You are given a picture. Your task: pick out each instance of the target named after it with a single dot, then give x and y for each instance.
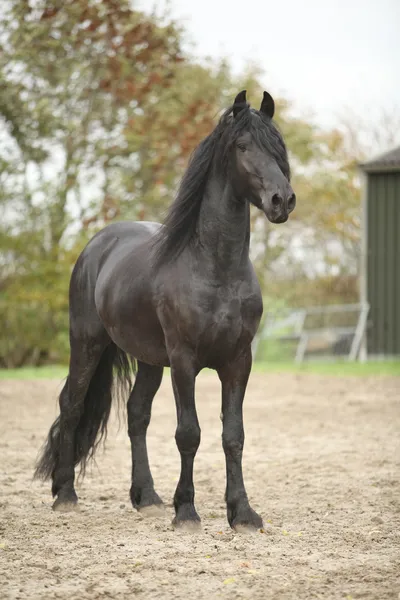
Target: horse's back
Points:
(127, 234)
(110, 245)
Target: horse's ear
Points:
(267, 105)
(240, 103)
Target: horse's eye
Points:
(242, 147)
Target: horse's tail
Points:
(115, 367)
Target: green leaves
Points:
(101, 109)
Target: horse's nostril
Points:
(292, 201)
(276, 200)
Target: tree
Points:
(69, 111)
(98, 123)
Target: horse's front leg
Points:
(234, 379)
(143, 495)
(187, 437)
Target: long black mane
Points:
(180, 224)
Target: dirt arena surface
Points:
(321, 463)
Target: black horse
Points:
(183, 295)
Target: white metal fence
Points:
(318, 331)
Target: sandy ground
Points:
(321, 463)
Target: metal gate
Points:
(317, 332)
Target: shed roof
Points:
(389, 161)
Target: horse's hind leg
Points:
(85, 403)
(147, 382)
(85, 358)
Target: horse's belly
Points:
(145, 345)
(125, 307)
(135, 328)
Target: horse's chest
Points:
(231, 326)
(215, 321)
(227, 320)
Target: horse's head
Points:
(259, 159)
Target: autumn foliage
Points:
(101, 108)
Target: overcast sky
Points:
(324, 55)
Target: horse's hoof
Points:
(245, 528)
(151, 511)
(65, 506)
(187, 519)
(146, 501)
(187, 526)
(246, 521)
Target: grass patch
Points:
(47, 372)
(339, 368)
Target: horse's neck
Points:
(223, 227)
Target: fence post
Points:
(359, 333)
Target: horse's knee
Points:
(187, 437)
(138, 421)
(233, 441)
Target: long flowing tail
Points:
(115, 367)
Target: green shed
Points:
(380, 269)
